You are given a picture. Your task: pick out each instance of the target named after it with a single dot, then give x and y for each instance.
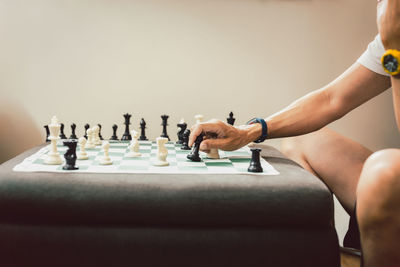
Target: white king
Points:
(53, 157)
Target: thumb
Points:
(212, 143)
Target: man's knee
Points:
(378, 191)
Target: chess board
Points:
(231, 162)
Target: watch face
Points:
(390, 63)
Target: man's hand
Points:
(223, 136)
(388, 20)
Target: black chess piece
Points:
(182, 127)
(62, 135)
(127, 135)
(255, 165)
(70, 155)
(87, 126)
(114, 136)
(164, 125)
(47, 133)
(194, 154)
(185, 140)
(101, 137)
(231, 119)
(142, 130)
(73, 135)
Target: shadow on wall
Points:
(18, 131)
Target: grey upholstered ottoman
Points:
(76, 219)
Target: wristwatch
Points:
(264, 133)
(391, 61)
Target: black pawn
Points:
(87, 126)
(73, 135)
(142, 130)
(182, 127)
(114, 136)
(194, 154)
(62, 135)
(231, 119)
(185, 140)
(255, 165)
(47, 132)
(127, 135)
(164, 125)
(101, 137)
(70, 155)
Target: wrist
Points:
(253, 132)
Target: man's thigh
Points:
(335, 159)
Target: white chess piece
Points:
(82, 153)
(134, 146)
(96, 135)
(199, 118)
(105, 160)
(162, 152)
(213, 154)
(90, 143)
(53, 157)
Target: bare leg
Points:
(378, 209)
(335, 159)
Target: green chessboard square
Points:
(145, 144)
(219, 164)
(180, 151)
(240, 160)
(38, 161)
(237, 153)
(135, 159)
(116, 154)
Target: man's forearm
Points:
(396, 98)
(307, 114)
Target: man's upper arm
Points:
(354, 87)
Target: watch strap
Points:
(264, 126)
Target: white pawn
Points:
(213, 154)
(90, 143)
(134, 146)
(162, 152)
(199, 118)
(96, 135)
(53, 157)
(82, 153)
(105, 160)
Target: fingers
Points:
(208, 144)
(212, 127)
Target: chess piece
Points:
(96, 135)
(62, 135)
(255, 165)
(82, 153)
(90, 140)
(162, 152)
(182, 127)
(105, 160)
(53, 157)
(213, 154)
(114, 136)
(127, 135)
(164, 125)
(231, 119)
(199, 118)
(142, 130)
(194, 154)
(101, 137)
(73, 135)
(70, 155)
(134, 146)
(87, 126)
(46, 127)
(185, 140)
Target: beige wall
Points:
(92, 61)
